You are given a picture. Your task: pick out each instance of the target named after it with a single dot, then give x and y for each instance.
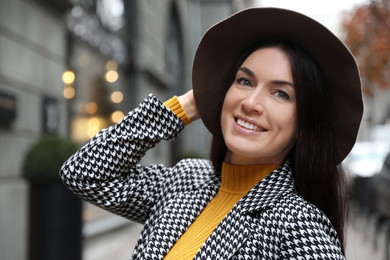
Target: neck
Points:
(236, 159)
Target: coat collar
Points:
(265, 193)
(241, 222)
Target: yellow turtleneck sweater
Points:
(236, 181)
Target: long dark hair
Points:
(318, 178)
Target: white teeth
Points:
(247, 125)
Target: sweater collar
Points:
(239, 179)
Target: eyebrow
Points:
(276, 82)
(248, 71)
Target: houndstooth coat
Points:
(271, 221)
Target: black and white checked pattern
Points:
(270, 222)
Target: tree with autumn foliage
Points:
(367, 34)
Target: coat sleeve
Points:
(105, 171)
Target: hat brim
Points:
(224, 42)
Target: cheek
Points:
(286, 120)
(234, 97)
(293, 125)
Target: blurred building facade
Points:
(33, 57)
(114, 54)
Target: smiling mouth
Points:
(249, 126)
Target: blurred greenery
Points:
(45, 157)
(366, 29)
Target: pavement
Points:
(367, 237)
(117, 244)
(366, 240)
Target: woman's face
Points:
(259, 117)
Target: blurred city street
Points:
(364, 241)
(70, 68)
(117, 244)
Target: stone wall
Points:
(32, 59)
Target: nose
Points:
(254, 102)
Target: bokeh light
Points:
(111, 65)
(68, 77)
(94, 122)
(93, 127)
(91, 108)
(68, 92)
(116, 96)
(117, 116)
(112, 76)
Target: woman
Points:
(281, 96)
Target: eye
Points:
(244, 82)
(282, 95)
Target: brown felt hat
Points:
(224, 42)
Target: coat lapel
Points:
(228, 237)
(268, 191)
(175, 217)
(240, 223)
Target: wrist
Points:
(189, 106)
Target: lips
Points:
(249, 125)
